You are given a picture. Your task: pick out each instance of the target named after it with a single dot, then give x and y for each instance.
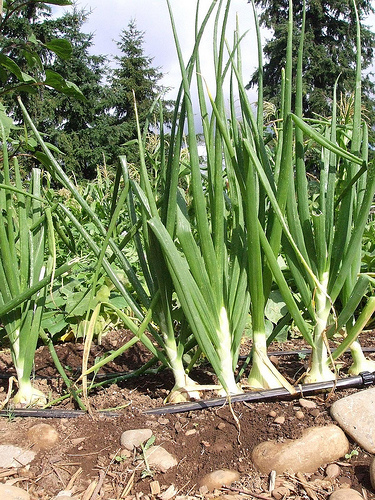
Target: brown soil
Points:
(89, 444)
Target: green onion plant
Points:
(25, 269)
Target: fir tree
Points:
(134, 73)
(329, 50)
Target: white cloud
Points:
(109, 18)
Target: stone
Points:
(65, 495)
(134, 438)
(190, 432)
(168, 493)
(317, 447)
(9, 492)
(355, 414)
(307, 403)
(280, 420)
(218, 478)
(13, 456)
(372, 473)
(345, 494)
(280, 493)
(333, 471)
(300, 415)
(155, 487)
(43, 436)
(159, 458)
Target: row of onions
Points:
(214, 242)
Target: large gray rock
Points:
(8, 492)
(355, 414)
(345, 494)
(317, 447)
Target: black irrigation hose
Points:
(34, 412)
(364, 379)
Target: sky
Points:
(109, 17)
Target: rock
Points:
(163, 421)
(280, 493)
(135, 437)
(307, 403)
(355, 414)
(190, 432)
(333, 471)
(168, 493)
(218, 478)
(372, 473)
(159, 458)
(345, 494)
(316, 447)
(279, 420)
(272, 414)
(8, 492)
(43, 436)
(64, 495)
(13, 456)
(300, 415)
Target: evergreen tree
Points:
(79, 128)
(329, 50)
(133, 73)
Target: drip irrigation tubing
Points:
(40, 413)
(364, 379)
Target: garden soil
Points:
(89, 462)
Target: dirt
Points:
(88, 458)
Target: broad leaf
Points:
(60, 47)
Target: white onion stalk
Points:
(360, 362)
(225, 356)
(319, 370)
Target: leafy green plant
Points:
(25, 270)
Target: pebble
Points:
(345, 494)
(372, 473)
(333, 471)
(280, 493)
(272, 414)
(218, 478)
(300, 415)
(64, 495)
(159, 458)
(8, 492)
(355, 414)
(133, 438)
(163, 421)
(190, 432)
(316, 447)
(13, 456)
(43, 436)
(307, 403)
(279, 420)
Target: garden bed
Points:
(201, 441)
